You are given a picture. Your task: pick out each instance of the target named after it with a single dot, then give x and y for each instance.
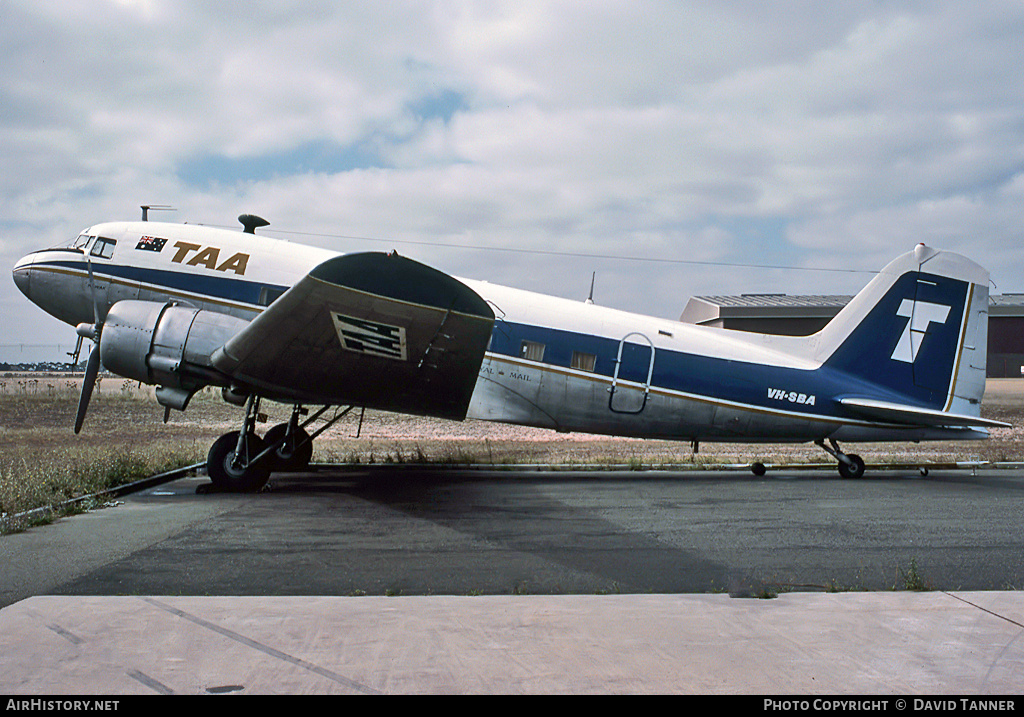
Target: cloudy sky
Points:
(674, 148)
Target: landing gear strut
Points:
(234, 463)
(241, 461)
(850, 464)
(296, 447)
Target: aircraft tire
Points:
(854, 471)
(287, 457)
(758, 469)
(225, 476)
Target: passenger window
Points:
(583, 362)
(532, 351)
(103, 247)
(268, 295)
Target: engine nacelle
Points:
(166, 345)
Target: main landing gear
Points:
(850, 464)
(241, 461)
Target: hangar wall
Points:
(804, 315)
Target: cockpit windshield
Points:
(92, 245)
(78, 242)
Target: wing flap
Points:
(370, 329)
(898, 413)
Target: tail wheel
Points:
(292, 455)
(852, 471)
(238, 476)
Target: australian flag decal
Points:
(151, 244)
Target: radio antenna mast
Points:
(158, 207)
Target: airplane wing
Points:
(368, 329)
(898, 413)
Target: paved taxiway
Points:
(849, 643)
(432, 581)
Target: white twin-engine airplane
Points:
(182, 307)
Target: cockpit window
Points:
(80, 242)
(103, 247)
(269, 294)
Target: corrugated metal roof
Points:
(821, 301)
(1006, 300)
(778, 301)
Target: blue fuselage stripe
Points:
(746, 383)
(773, 388)
(222, 288)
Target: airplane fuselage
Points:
(552, 362)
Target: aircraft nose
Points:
(22, 274)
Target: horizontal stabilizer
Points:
(899, 413)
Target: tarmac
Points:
(895, 644)
(855, 643)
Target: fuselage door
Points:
(634, 365)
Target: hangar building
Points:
(804, 315)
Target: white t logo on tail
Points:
(921, 314)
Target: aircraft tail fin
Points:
(919, 332)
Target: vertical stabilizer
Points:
(918, 331)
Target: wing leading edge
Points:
(369, 329)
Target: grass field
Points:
(124, 438)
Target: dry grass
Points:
(42, 462)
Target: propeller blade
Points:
(93, 367)
(92, 293)
(91, 370)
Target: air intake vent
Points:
(251, 222)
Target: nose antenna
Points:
(158, 207)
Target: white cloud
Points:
(787, 134)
